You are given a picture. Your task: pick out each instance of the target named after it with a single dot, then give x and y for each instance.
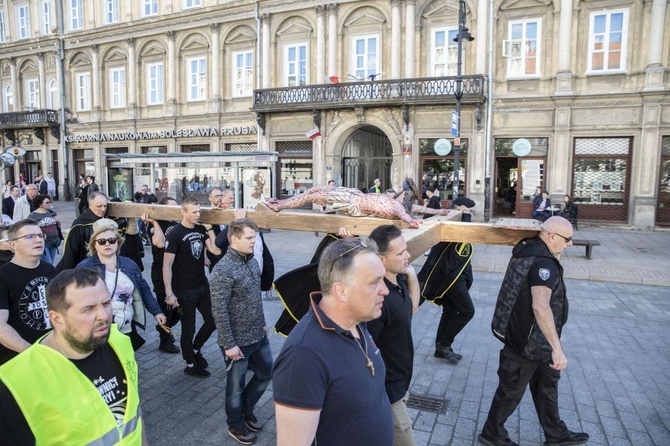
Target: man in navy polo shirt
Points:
(392, 331)
(328, 380)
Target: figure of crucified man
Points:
(353, 202)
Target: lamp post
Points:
(463, 34)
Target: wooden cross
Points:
(446, 228)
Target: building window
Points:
(8, 98)
(32, 93)
(444, 54)
(365, 57)
(117, 87)
(607, 41)
(243, 76)
(296, 65)
(53, 98)
(111, 11)
(76, 14)
(150, 7)
(45, 16)
(83, 87)
(155, 83)
(22, 22)
(601, 177)
(2, 26)
(192, 3)
(197, 79)
(523, 52)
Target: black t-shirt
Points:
(433, 203)
(104, 370)
(188, 246)
(157, 253)
(22, 292)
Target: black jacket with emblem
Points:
(513, 318)
(447, 263)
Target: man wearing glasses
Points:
(75, 249)
(328, 380)
(530, 313)
(23, 307)
(24, 205)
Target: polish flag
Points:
(313, 134)
(332, 79)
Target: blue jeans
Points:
(545, 215)
(241, 399)
(49, 255)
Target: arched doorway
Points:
(367, 154)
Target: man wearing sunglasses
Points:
(529, 316)
(23, 308)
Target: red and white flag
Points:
(313, 134)
(332, 79)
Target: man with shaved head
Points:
(530, 313)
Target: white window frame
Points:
(192, 3)
(2, 27)
(8, 99)
(22, 21)
(45, 17)
(83, 91)
(196, 79)
(449, 45)
(606, 43)
(32, 88)
(523, 42)
(155, 83)
(363, 72)
(296, 72)
(149, 7)
(117, 87)
(53, 95)
(76, 14)
(111, 11)
(243, 76)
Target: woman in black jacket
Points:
(570, 209)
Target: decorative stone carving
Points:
(320, 10)
(5, 69)
(332, 8)
(214, 27)
(170, 35)
(130, 41)
(360, 114)
(94, 48)
(40, 56)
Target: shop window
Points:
(190, 148)
(437, 166)
(296, 168)
(83, 160)
(241, 147)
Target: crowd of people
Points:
(343, 374)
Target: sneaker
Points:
(573, 438)
(252, 423)
(202, 362)
(488, 441)
(438, 354)
(168, 347)
(196, 370)
(447, 353)
(242, 435)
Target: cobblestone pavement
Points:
(616, 386)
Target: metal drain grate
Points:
(426, 403)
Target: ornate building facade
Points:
(567, 96)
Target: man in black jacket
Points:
(74, 250)
(8, 203)
(531, 310)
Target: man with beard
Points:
(74, 249)
(84, 348)
(23, 315)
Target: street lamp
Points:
(463, 34)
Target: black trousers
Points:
(457, 311)
(515, 373)
(190, 301)
(171, 314)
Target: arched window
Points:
(53, 98)
(8, 98)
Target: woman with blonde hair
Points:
(130, 292)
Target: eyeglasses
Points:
(362, 243)
(46, 202)
(104, 241)
(567, 239)
(31, 237)
(217, 196)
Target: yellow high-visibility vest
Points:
(63, 407)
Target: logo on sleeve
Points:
(544, 273)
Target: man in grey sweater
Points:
(237, 306)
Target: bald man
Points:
(530, 313)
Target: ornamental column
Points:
(564, 75)
(396, 24)
(171, 104)
(332, 39)
(320, 44)
(132, 78)
(410, 38)
(42, 81)
(265, 51)
(15, 85)
(95, 81)
(216, 69)
(482, 41)
(655, 70)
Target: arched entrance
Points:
(367, 154)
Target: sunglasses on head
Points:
(104, 241)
